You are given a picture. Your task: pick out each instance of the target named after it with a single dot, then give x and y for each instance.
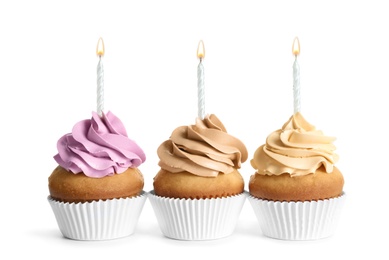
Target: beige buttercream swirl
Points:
(298, 149)
(203, 149)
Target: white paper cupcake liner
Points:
(98, 220)
(197, 219)
(308, 220)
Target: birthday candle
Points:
(100, 77)
(296, 76)
(200, 81)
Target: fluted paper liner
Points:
(98, 220)
(197, 219)
(308, 220)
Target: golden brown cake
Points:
(189, 186)
(317, 186)
(66, 186)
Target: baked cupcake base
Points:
(98, 220)
(197, 219)
(308, 220)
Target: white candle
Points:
(200, 81)
(296, 76)
(100, 77)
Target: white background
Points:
(48, 83)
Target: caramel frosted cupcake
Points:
(96, 191)
(296, 191)
(198, 192)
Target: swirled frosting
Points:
(98, 147)
(203, 149)
(298, 149)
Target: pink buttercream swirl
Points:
(98, 147)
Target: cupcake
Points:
(297, 191)
(96, 191)
(198, 192)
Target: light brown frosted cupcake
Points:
(296, 191)
(198, 192)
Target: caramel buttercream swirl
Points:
(203, 149)
(298, 149)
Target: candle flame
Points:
(201, 50)
(100, 47)
(296, 47)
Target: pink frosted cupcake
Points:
(198, 192)
(296, 191)
(96, 191)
